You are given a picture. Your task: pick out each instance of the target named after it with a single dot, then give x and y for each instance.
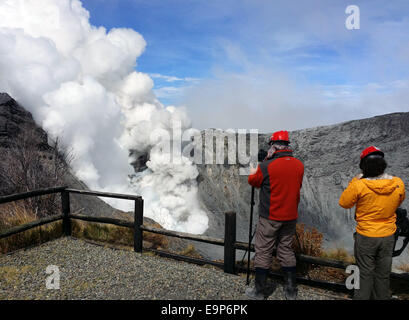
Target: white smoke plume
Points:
(79, 82)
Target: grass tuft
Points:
(308, 241)
(340, 254)
(15, 214)
(115, 234)
(404, 267)
(190, 251)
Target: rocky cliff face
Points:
(14, 121)
(331, 158)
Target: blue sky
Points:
(230, 62)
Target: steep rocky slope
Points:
(14, 121)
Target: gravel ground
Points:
(89, 271)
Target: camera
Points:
(402, 222)
(402, 229)
(262, 154)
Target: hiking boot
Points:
(261, 289)
(253, 294)
(269, 288)
(290, 285)
(262, 294)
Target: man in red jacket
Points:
(279, 178)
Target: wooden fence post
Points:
(229, 242)
(138, 221)
(66, 222)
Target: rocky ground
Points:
(94, 272)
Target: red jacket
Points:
(280, 180)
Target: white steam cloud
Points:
(80, 84)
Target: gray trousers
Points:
(270, 233)
(374, 259)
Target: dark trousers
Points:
(374, 259)
(270, 233)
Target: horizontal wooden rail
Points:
(25, 195)
(105, 194)
(117, 222)
(400, 276)
(243, 246)
(66, 215)
(30, 225)
(183, 235)
(322, 261)
(303, 258)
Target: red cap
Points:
(371, 150)
(280, 136)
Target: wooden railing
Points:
(229, 242)
(136, 225)
(33, 224)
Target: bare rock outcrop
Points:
(16, 121)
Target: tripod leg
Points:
(250, 235)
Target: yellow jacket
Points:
(376, 201)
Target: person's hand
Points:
(253, 170)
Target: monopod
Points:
(250, 235)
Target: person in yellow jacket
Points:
(376, 195)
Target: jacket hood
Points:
(383, 184)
